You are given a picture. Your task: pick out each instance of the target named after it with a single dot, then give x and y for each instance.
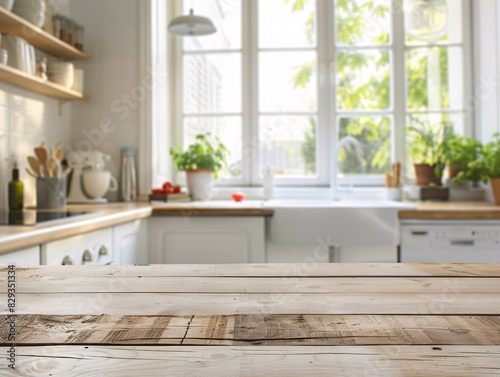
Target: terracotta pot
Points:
(200, 184)
(425, 175)
(452, 171)
(495, 189)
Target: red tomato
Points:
(166, 185)
(169, 190)
(177, 189)
(238, 196)
(157, 191)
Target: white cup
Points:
(393, 193)
(62, 73)
(78, 80)
(96, 183)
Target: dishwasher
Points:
(453, 241)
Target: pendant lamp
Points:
(191, 25)
(426, 20)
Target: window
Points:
(283, 80)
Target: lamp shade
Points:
(191, 25)
(426, 20)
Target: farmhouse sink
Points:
(348, 203)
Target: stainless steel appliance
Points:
(440, 241)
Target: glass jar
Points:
(63, 36)
(71, 32)
(80, 31)
(56, 26)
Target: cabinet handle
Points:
(87, 257)
(419, 233)
(67, 261)
(462, 242)
(334, 252)
(103, 251)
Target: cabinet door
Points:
(207, 240)
(24, 257)
(131, 243)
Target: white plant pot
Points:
(200, 184)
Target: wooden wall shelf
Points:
(23, 80)
(13, 24)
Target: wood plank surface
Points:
(196, 284)
(256, 329)
(255, 320)
(104, 302)
(119, 361)
(268, 270)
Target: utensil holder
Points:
(50, 193)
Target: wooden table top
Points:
(254, 320)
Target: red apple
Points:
(238, 196)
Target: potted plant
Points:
(202, 162)
(460, 151)
(427, 149)
(488, 166)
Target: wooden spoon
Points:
(31, 173)
(35, 165)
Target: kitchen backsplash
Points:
(27, 119)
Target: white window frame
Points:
(327, 113)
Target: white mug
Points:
(96, 183)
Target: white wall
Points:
(111, 78)
(27, 119)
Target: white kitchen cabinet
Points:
(93, 248)
(205, 240)
(131, 242)
(25, 257)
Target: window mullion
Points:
(251, 150)
(326, 89)
(399, 94)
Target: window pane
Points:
(288, 81)
(363, 22)
(285, 23)
(363, 80)
(435, 78)
(226, 16)
(288, 145)
(426, 19)
(212, 83)
(374, 135)
(228, 129)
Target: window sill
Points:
(311, 193)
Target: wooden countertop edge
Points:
(48, 233)
(487, 214)
(194, 211)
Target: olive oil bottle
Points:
(16, 191)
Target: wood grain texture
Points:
(279, 270)
(256, 320)
(119, 361)
(256, 329)
(472, 214)
(187, 210)
(264, 285)
(104, 302)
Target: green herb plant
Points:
(461, 152)
(428, 144)
(488, 163)
(205, 153)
